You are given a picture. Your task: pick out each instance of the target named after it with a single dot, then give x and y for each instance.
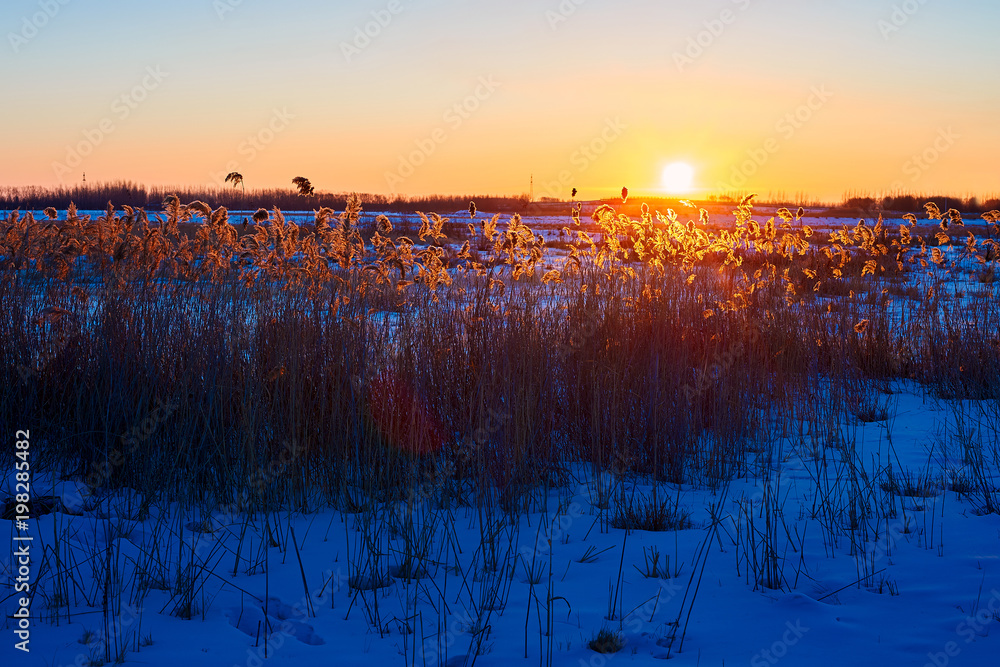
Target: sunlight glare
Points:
(678, 178)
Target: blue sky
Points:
(369, 115)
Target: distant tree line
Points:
(910, 203)
(96, 197)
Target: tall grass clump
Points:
(267, 363)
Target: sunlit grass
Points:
(660, 339)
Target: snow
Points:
(932, 597)
(944, 566)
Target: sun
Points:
(678, 178)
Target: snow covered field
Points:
(864, 537)
(924, 588)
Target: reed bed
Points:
(272, 369)
(655, 344)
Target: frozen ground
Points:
(542, 585)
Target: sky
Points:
(813, 99)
